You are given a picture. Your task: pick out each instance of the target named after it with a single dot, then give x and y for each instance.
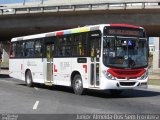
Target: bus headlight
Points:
(144, 76)
(109, 76)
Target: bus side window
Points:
(19, 49)
(79, 45)
(83, 45)
(29, 49)
(38, 48)
(59, 51)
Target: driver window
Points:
(109, 47)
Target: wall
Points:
(156, 57)
(5, 52)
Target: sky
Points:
(10, 1)
(16, 1)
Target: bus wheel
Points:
(115, 92)
(78, 85)
(28, 79)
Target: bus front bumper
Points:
(123, 84)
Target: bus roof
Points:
(72, 31)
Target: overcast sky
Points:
(16, 1)
(10, 1)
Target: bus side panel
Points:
(15, 68)
(62, 71)
(81, 65)
(35, 65)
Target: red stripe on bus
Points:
(55, 70)
(59, 33)
(124, 25)
(85, 67)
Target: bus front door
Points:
(95, 61)
(49, 66)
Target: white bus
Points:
(103, 57)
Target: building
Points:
(155, 49)
(151, 48)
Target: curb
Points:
(154, 86)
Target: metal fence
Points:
(34, 6)
(25, 2)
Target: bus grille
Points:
(125, 73)
(127, 83)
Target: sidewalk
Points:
(154, 74)
(153, 86)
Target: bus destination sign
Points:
(125, 32)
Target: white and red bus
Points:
(101, 57)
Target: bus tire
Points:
(28, 79)
(78, 85)
(115, 92)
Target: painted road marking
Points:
(35, 106)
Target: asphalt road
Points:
(17, 98)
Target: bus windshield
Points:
(125, 52)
